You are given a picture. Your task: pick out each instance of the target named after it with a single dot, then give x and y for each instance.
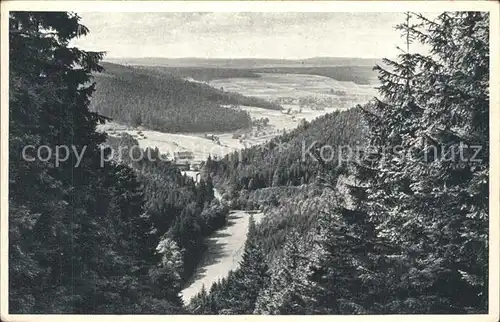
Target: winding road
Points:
(224, 251)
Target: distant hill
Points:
(282, 162)
(246, 62)
(204, 74)
(164, 102)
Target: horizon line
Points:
(236, 58)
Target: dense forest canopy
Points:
(89, 237)
(400, 230)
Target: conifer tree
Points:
(288, 291)
(423, 198)
(169, 270)
(349, 271)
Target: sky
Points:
(242, 34)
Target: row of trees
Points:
(404, 230)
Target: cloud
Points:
(244, 34)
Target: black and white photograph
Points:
(265, 158)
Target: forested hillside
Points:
(397, 223)
(293, 158)
(87, 236)
(350, 73)
(403, 228)
(164, 102)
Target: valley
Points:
(303, 97)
